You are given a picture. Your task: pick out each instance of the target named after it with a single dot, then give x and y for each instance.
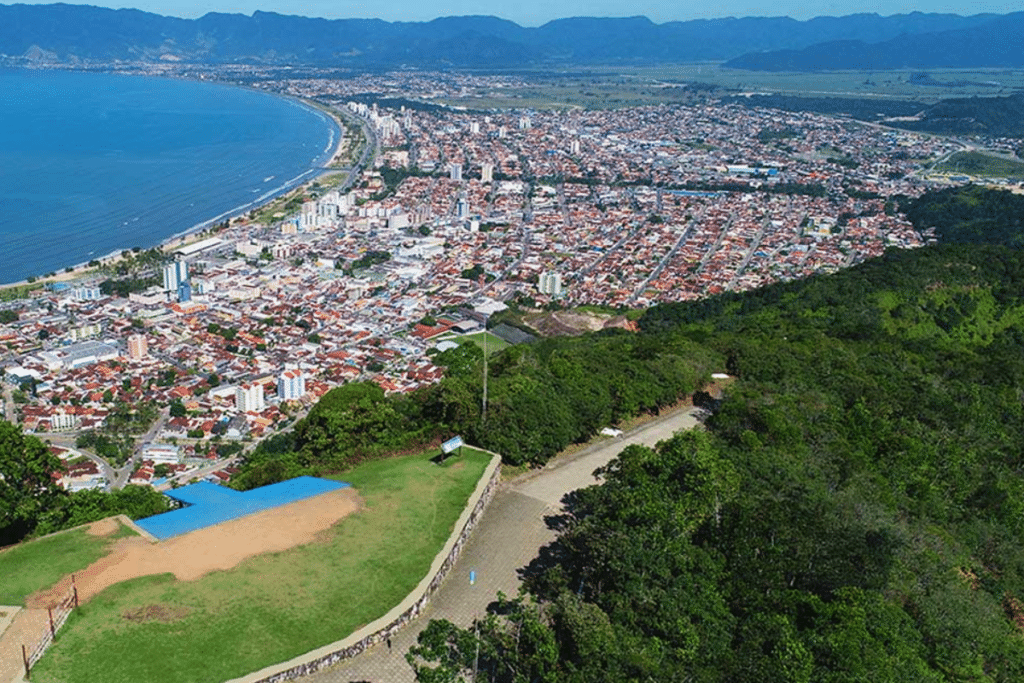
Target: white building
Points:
(291, 385)
(84, 332)
(456, 172)
(487, 173)
(63, 422)
(161, 453)
(86, 293)
(249, 398)
(174, 274)
(550, 283)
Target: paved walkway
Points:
(507, 538)
(26, 628)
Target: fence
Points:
(382, 629)
(57, 616)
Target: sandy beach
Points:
(198, 231)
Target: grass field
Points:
(32, 566)
(620, 86)
(494, 343)
(981, 165)
(276, 606)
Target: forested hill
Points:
(855, 511)
(995, 116)
(970, 215)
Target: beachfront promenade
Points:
(508, 537)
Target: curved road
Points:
(508, 537)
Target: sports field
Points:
(274, 605)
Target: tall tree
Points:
(27, 487)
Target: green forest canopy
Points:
(855, 511)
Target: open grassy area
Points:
(494, 343)
(273, 607)
(32, 566)
(981, 165)
(620, 86)
(13, 292)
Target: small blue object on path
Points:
(472, 577)
(208, 504)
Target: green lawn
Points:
(32, 566)
(494, 343)
(275, 606)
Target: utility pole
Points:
(484, 413)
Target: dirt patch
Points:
(104, 527)
(574, 323)
(219, 547)
(161, 613)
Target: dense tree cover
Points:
(91, 505)
(996, 116)
(865, 109)
(32, 504)
(541, 398)
(970, 214)
(26, 487)
(123, 286)
(854, 511)
(350, 423)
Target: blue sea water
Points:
(91, 164)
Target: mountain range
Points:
(993, 43)
(82, 34)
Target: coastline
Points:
(323, 167)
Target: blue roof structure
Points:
(207, 504)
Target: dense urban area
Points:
(784, 335)
(435, 223)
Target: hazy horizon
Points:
(536, 12)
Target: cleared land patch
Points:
(219, 547)
(277, 605)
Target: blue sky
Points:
(536, 12)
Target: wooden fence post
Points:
(24, 656)
(74, 587)
(53, 631)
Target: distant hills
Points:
(995, 116)
(81, 34)
(995, 42)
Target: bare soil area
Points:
(215, 548)
(572, 323)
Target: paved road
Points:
(509, 535)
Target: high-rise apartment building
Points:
(138, 346)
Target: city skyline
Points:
(536, 13)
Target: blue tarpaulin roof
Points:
(208, 504)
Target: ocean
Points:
(91, 164)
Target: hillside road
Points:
(508, 537)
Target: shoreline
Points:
(183, 238)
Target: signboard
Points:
(451, 444)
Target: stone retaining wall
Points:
(408, 610)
